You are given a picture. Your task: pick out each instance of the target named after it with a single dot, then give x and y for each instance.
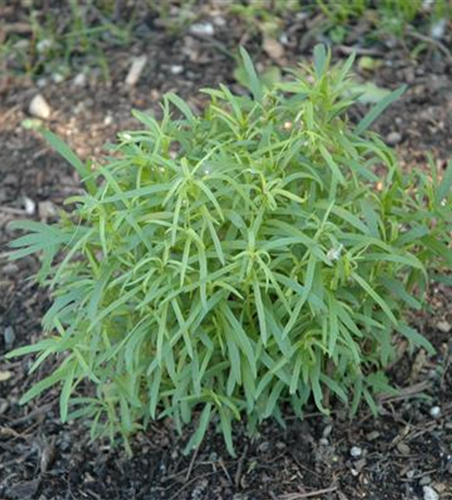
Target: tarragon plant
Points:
(231, 263)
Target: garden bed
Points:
(403, 453)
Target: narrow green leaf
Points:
(372, 293)
(376, 111)
(333, 324)
(226, 429)
(182, 106)
(66, 392)
(240, 337)
(415, 338)
(198, 436)
(397, 288)
(320, 59)
(57, 376)
(371, 217)
(253, 80)
(444, 188)
(66, 152)
(260, 311)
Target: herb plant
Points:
(227, 264)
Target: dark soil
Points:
(397, 455)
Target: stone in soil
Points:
(403, 448)
(356, 451)
(46, 209)
(29, 206)
(9, 335)
(273, 48)
(10, 269)
(202, 29)
(137, 67)
(39, 107)
(393, 138)
(176, 69)
(438, 29)
(327, 430)
(79, 80)
(435, 411)
(430, 493)
(444, 326)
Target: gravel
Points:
(202, 29)
(444, 326)
(430, 493)
(9, 337)
(29, 206)
(435, 411)
(39, 107)
(393, 138)
(136, 68)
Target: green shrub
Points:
(387, 17)
(223, 265)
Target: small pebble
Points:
(444, 326)
(29, 206)
(438, 29)
(57, 77)
(137, 67)
(323, 441)
(10, 269)
(424, 481)
(46, 209)
(202, 29)
(284, 39)
(356, 451)
(219, 21)
(373, 435)
(9, 336)
(44, 45)
(39, 107)
(79, 80)
(273, 47)
(430, 493)
(176, 69)
(5, 376)
(4, 405)
(403, 448)
(435, 411)
(108, 120)
(327, 431)
(263, 447)
(393, 138)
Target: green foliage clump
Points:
(386, 17)
(223, 265)
(64, 37)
